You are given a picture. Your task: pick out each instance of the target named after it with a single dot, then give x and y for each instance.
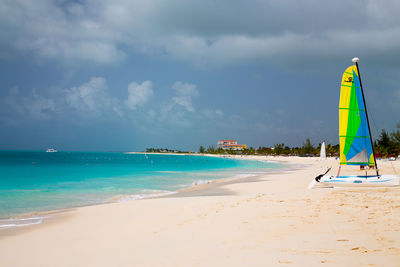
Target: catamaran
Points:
(355, 140)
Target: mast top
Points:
(355, 60)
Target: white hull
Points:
(354, 180)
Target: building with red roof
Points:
(230, 145)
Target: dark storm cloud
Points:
(201, 32)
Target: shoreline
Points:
(42, 216)
(268, 220)
(56, 215)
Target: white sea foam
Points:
(20, 222)
(246, 175)
(124, 198)
(201, 182)
(237, 176)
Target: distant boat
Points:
(51, 150)
(323, 152)
(356, 146)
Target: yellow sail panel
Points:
(371, 160)
(346, 85)
(343, 118)
(343, 159)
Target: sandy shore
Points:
(273, 220)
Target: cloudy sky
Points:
(128, 74)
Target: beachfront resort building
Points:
(230, 145)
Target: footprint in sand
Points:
(361, 249)
(323, 251)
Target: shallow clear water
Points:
(36, 181)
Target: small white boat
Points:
(356, 146)
(51, 150)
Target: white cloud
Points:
(92, 101)
(32, 105)
(39, 106)
(178, 111)
(92, 98)
(213, 114)
(88, 100)
(139, 94)
(184, 94)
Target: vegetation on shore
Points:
(308, 149)
(387, 145)
(164, 150)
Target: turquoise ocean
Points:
(33, 181)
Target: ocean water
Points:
(38, 181)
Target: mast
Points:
(355, 60)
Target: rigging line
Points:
(375, 127)
(370, 115)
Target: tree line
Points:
(307, 149)
(163, 150)
(386, 145)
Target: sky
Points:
(125, 75)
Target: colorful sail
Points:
(355, 142)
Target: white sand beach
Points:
(272, 220)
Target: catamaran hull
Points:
(353, 180)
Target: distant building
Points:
(230, 145)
